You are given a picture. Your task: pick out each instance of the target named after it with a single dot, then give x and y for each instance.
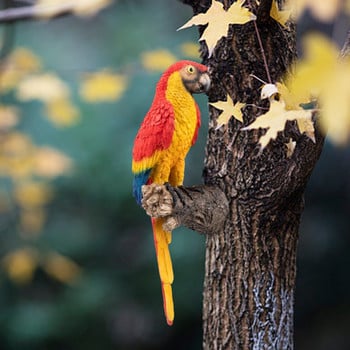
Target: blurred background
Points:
(77, 263)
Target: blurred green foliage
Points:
(115, 303)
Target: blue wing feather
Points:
(140, 179)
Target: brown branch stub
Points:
(200, 208)
(48, 11)
(30, 12)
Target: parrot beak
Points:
(203, 83)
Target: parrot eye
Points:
(190, 69)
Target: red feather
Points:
(156, 130)
(195, 135)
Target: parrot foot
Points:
(170, 224)
(157, 201)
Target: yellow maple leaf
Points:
(61, 112)
(8, 117)
(32, 221)
(312, 73)
(44, 87)
(281, 16)
(190, 49)
(275, 120)
(16, 143)
(61, 267)
(290, 147)
(9, 78)
(218, 21)
(21, 264)
(292, 100)
(102, 86)
(228, 109)
(15, 155)
(306, 126)
(17, 65)
(324, 75)
(324, 10)
(89, 7)
(157, 60)
(25, 60)
(48, 162)
(50, 8)
(335, 105)
(30, 194)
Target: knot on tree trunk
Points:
(201, 208)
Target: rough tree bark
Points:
(251, 202)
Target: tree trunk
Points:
(251, 202)
(251, 264)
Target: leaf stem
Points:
(268, 3)
(257, 78)
(262, 52)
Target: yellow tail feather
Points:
(162, 240)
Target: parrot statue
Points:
(165, 136)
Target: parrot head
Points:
(194, 76)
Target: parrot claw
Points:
(157, 201)
(170, 224)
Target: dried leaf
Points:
(228, 109)
(219, 20)
(21, 264)
(314, 71)
(61, 268)
(89, 7)
(50, 163)
(30, 195)
(290, 147)
(50, 8)
(281, 16)
(16, 144)
(62, 113)
(306, 126)
(44, 87)
(32, 221)
(324, 10)
(292, 100)
(8, 117)
(15, 155)
(335, 105)
(25, 60)
(275, 120)
(21, 62)
(157, 60)
(103, 86)
(324, 76)
(190, 49)
(268, 90)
